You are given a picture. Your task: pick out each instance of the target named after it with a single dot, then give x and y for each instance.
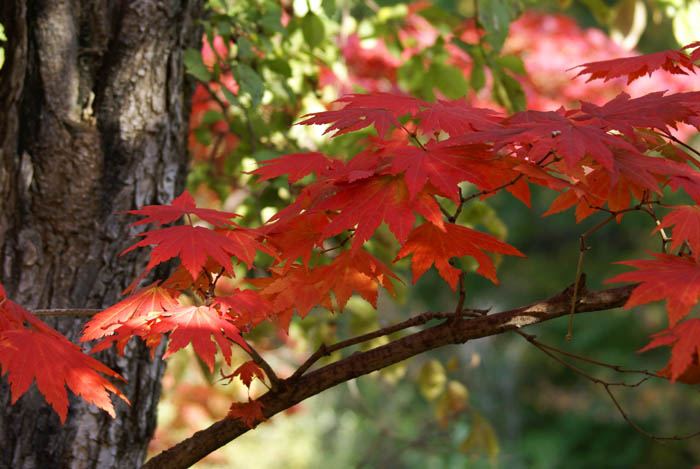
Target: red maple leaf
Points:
(296, 165)
(249, 412)
(429, 245)
(684, 340)
(622, 113)
(444, 169)
(246, 372)
(675, 279)
(247, 308)
(39, 353)
(293, 288)
(380, 109)
(544, 132)
(197, 325)
(193, 245)
(144, 302)
(350, 120)
(296, 237)
(686, 219)
(455, 117)
(366, 204)
(634, 67)
(182, 205)
(397, 104)
(359, 271)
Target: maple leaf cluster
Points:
(30, 350)
(612, 158)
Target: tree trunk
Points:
(93, 122)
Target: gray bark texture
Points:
(94, 110)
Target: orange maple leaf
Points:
(360, 272)
(144, 302)
(246, 372)
(249, 412)
(39, 353)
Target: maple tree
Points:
(612, 158)
(429, 160)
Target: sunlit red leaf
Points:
(293, 288)
(197, 325)
(364, 205)
(635, 67)
(144, 302)
(456, 117)
(444, 168)
(296, 165)
(193, 245)
(247, 372)
(429, 245)
(247, 308)
(378, 109)
(39, 353)
(182, 205)
(360, 272)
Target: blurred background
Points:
(496, 402)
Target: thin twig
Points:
(606, 384)
(619, 369)
(215, 97)
(67, 312)
(681, 143)
(462, 294)
(640, 429)
(325, 350)
(260, 361)
(583, 248)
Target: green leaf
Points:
(230, 97)
(312, 29)
(507, 91)
(477, 78)
(512, 63)
(212, 117)
(245, 49)
(272, 20)
(249, 82)
(329, 7)
(449, 80)
(601, 12)
(202, 135)
(279, 66)
(494, 16)
(439, 16)
(195, 66)
(410, 74)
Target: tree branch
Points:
(453, 331)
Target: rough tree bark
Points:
(93, 122)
